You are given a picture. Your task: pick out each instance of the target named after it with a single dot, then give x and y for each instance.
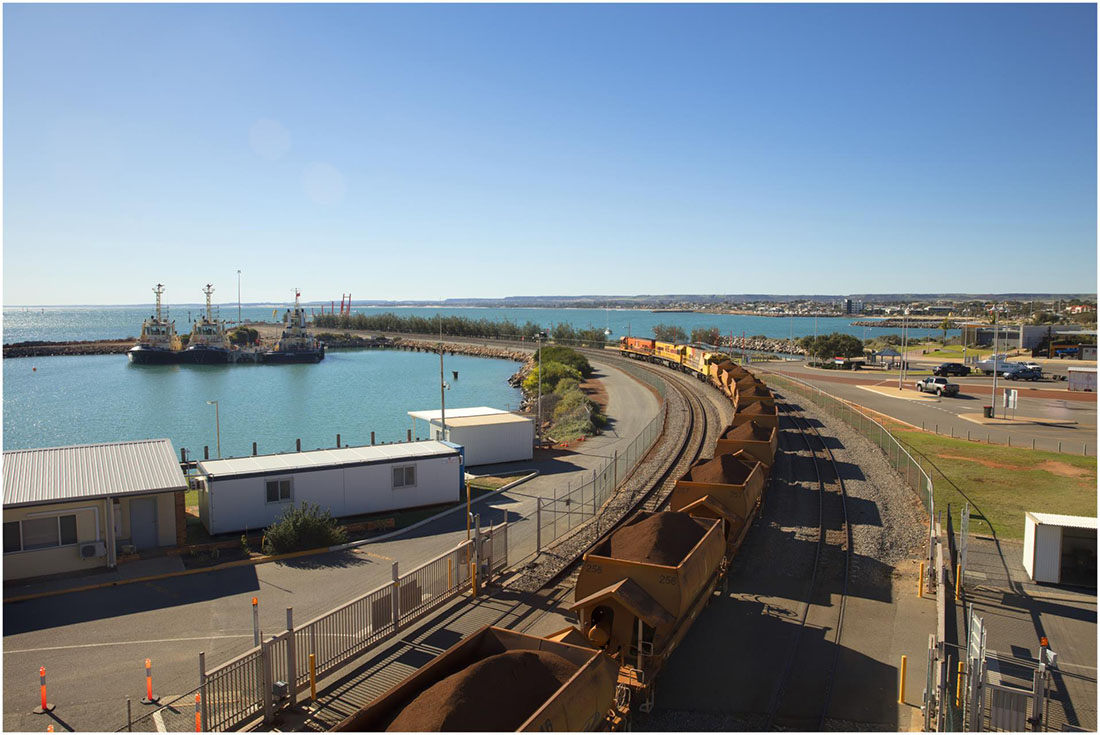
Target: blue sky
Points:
(423, 151)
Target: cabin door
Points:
(143, 523)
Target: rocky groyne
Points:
(93, 347)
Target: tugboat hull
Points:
(205, 356)
(142, 355)
(284, 358)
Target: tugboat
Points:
(296, 343)
(209, 344)
(159, 344)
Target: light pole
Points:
(538, 338)
(904, 343)
(238, 297)
(993, 399)
(217, 426)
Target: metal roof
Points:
(1054, 519)
(456, 413)
(320, 458)
(63, 474)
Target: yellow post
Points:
(901, 684)
(313, 678)
(473, 578)
(959, 686)
(920, 581)
(958, 586)
(467, 510)
(450, 569)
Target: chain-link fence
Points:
(570, 507)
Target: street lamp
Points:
(238, 297)
(538, 338)
(217, 426)
(904, 343)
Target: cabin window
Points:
(39, 533)
(278, 491)
(404, 476)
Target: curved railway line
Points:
(803, 692)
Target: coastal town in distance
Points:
(660, 367)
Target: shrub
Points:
(303, 527)
(244, 336)
(565, 356)
(553, 372)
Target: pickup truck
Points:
(951, 368)
(1023, 373)
(939, 386)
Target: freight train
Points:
(638, 591)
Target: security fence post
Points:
(395, 607)
(268, 679)
(291, 658)
(203, 690)
(538, 525)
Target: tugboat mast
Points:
(158, 290)
(208, 290)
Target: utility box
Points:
(1060, 549)
(1082, 379)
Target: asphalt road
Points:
(1047, 402)
(93, 644)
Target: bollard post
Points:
(958, 585)
(149, 698)
(45, 706)
(298, 444)
(255, 621)
(1033, 442)
(253, 449)
(920, 582)
(901, 682)
(202, 685)
(49, 728)
(129, 717)
(206, 451)
(408, 435)
(372, 438)
(313, 679)
(198, 713)
(395, 609)
(1059, 446)
(959, 686)
(337, 441)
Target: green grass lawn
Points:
(953, 353)
(1001, 483)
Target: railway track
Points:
(803, 692)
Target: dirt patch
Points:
(496, 694)
(661, 538)
(1063, 469)
(596, 392)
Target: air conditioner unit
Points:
(93, 550)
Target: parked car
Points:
(951, 368)
(1023, 373)
(939, 386)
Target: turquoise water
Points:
(55, 401)
(116, 322)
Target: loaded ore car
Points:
(755, 440)
(498, 680)
(763, 413)
(727, 487)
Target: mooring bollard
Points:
(45, 706)
(149, 698)
(253, 449)
(337, 441)
(372, 438)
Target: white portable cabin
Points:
(252, 492)
(487, 435)
(1082, 378)
(1060, 549)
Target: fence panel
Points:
(234, 691)
(431, 583)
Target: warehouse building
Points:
(488, 435)
(249, 493)
(76, 508)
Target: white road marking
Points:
(127, 643)
(159, 722)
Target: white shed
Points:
(487, 435)
(1060, 549)
(252, 492)
(1082, 378)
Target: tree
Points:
(670, 333)
(945, 325)
(707, 335)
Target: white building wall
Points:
(1048, 554)
(492, 443)
(237, 504)
(1030, 525)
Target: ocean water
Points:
(55, 401)
(56, 323)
